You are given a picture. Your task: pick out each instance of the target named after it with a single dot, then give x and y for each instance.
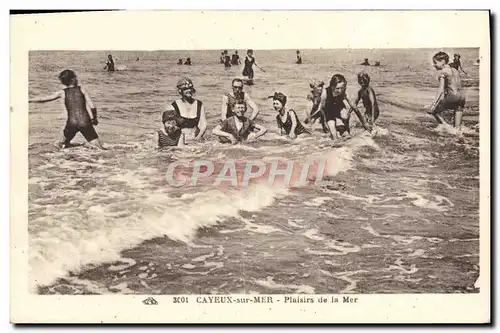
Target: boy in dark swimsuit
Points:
(367, 95)
(82, 113)
(238, 128)
(170, 135)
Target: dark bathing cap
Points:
(280, 97)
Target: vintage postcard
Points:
(250, 167)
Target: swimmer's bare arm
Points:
(89, 104)
(202, 124)
(223, 108)
(181, 142)
(49, 98)
(440, 94)
(294, 124)
(219, 132)
(360, 117)
(261, 130)
(255, 109)
(371, 96)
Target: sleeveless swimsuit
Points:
(453, 97)
(287, 125)
(248, 70)
(183, 122)
(234, 59)
(78, 117)
(333, 106)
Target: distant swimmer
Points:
(110, 64)
(299, 58)
(82, 113)
(477, 62)
(221, 59)
(180, 62)
(457, 64)
(190, 113)
(137, 59)
(337, 108)
(377, 64)
(238, 128)
(365, 63)
(367, 95)
(188, 62)
(287, 120)
(235, 59)
(170, 135)
(450, 95)
(227, 60)
(315, 97)
(229, 100)
(249, 62)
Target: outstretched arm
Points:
(293, 116)
(49, 98)
(360, 117)
(371, 94)
(223, 108)
(261, 130)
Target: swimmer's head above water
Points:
(338, 83)
(363, 79)
(185, 88)
(68, 77)
(169, 120)
(279, 101)
(239, 109)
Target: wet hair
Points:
(250, 50)
(336, 79)
(280, 97)
(236, 52)
(67, 76)
(298, 51)
(168, 115)
(440, 56)
(364, 76)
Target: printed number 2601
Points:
(180, 299)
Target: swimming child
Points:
(315, 97)
(299, 58)
(238, 128)
(170, 135)
(235, 59)
(190, 113)
(110, 64)
(82, 113)
(237, 96)
(180, 62)
(449, 95)
(367, 95)
(288, 122)
(457, 64)
(337, 108)
(188, 62)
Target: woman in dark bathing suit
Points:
(287, 119)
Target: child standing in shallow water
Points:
(367, 95)
(449, 95)
(82, 113)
